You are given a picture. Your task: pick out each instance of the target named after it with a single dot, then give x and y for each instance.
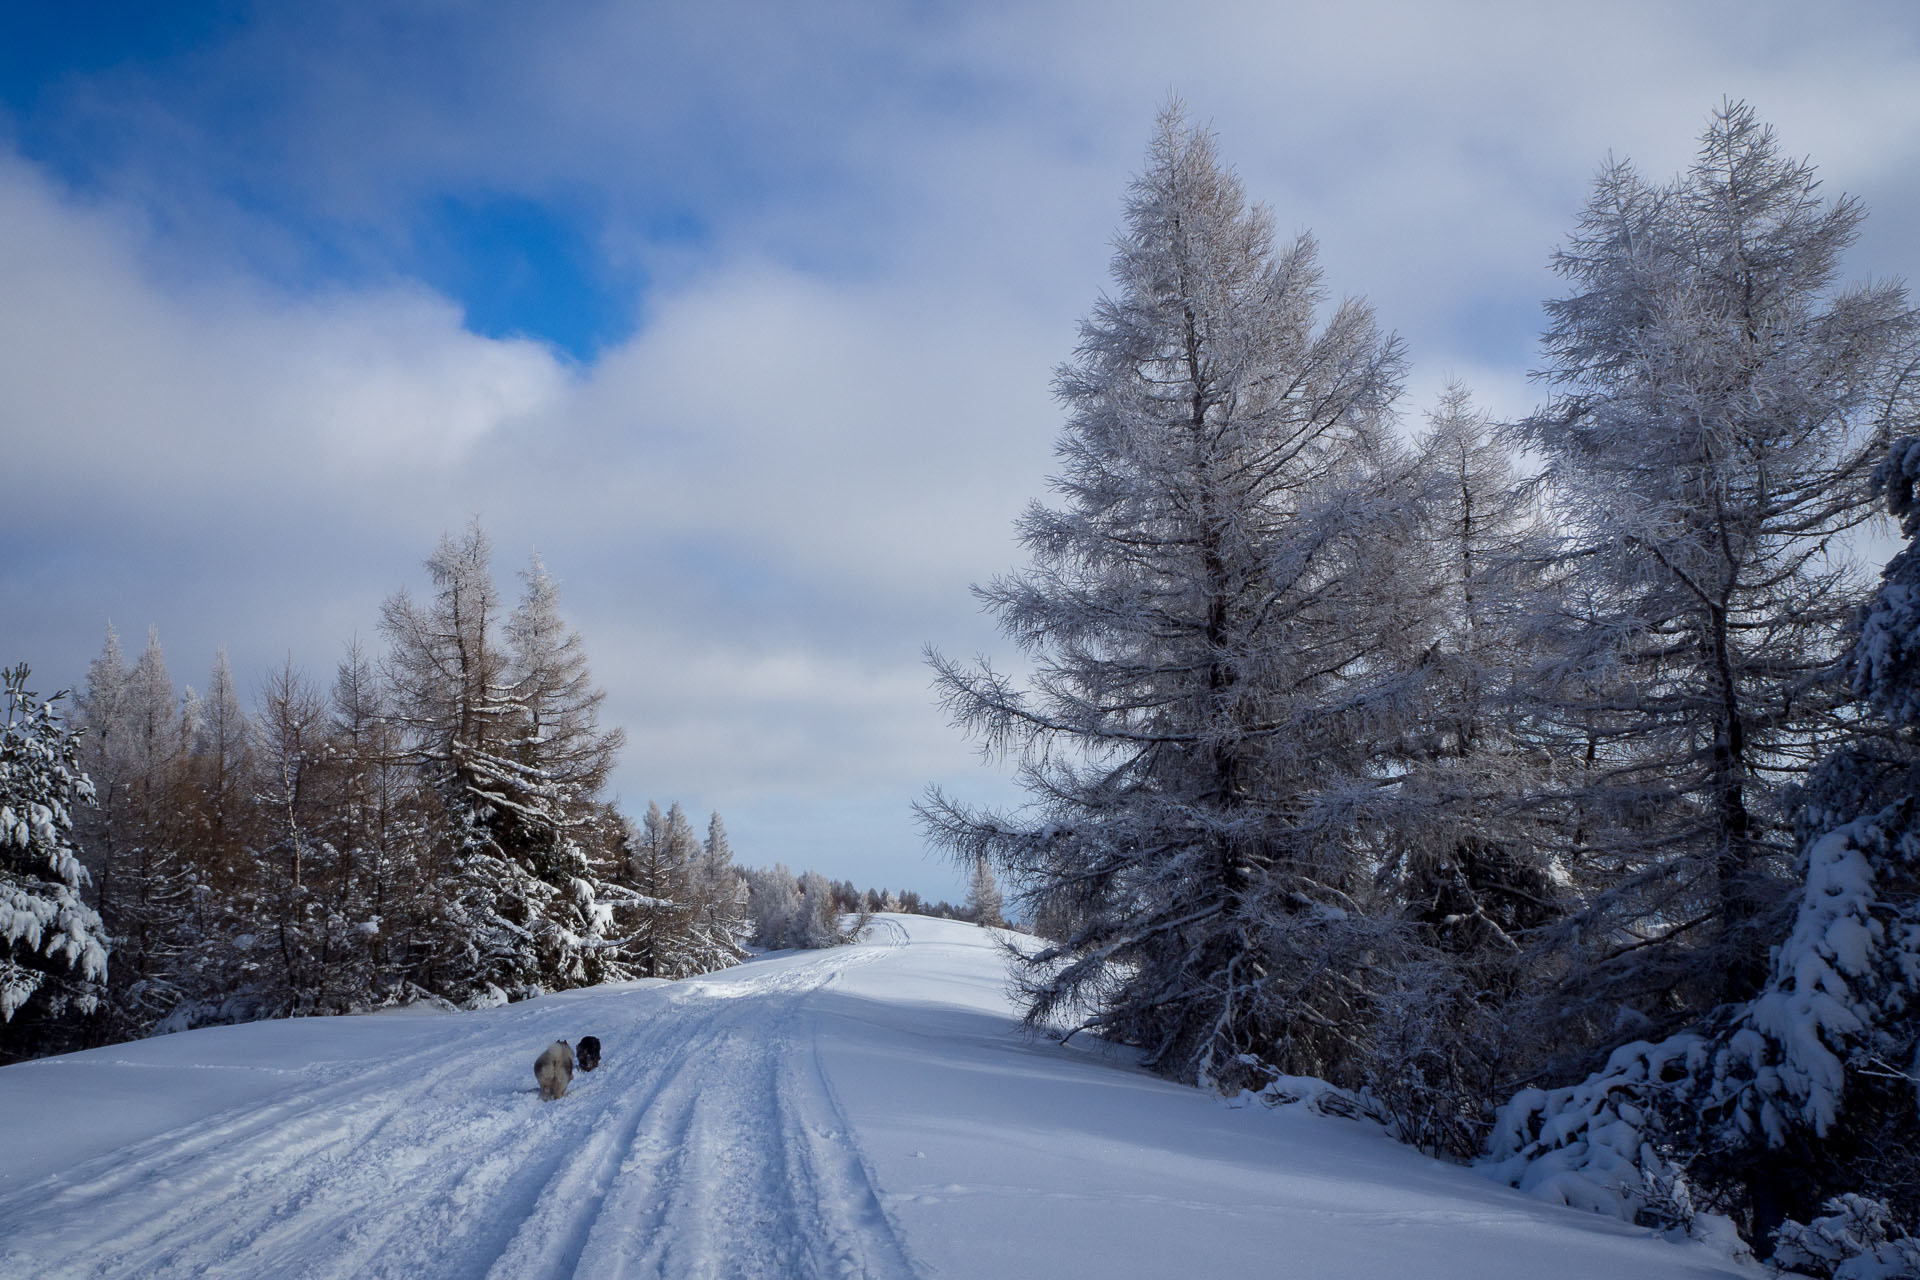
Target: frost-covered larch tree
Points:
(381, 833)
(656, 869)
(984, 902)
(136, 747)
(1806, 1097)
(718, 896)
(1215, 615)
(1465, 853)
(1722, 408)
(222, 760)
(1718, 404)
(304, 929)
(506, 732)
(773, 900)
(817, 923)
(53, 947)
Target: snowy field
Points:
(867, 1111)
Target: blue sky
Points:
(743, 315)
(519, 263)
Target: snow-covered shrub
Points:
(1270, 1088)
(1840, 1014)
(1601, 1144)
(1856, 1239)
(1434, 1058)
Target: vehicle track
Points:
(708, 1144)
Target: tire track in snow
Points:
(708, 1144)
(515, 1177)
(753, 1186)
(869, 1241)
(109, 1173)
(239, 1170)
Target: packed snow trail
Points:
(869, 1111)
(706, 1144)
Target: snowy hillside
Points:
(866, 1111)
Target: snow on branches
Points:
(1210, 610)
(55, 947)
(1841, 1000)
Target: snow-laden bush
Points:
(1856, 1239)
(1435, 1055)
(1264, 1084)
(1842, 1003)
(1600, 1144)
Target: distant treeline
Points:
(429, 825)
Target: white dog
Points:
(554, 1070)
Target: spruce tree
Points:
(53, 946)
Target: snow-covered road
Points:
(869, 1111)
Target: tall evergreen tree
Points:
(1718, 406)
(1467, 853)
(656, 868)
(719, 899)
(506, 732)
(555, 690)
(1215, 617)
(144, 887)
(564, 757)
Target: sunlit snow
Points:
(870, 1110)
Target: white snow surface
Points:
(871, 1110)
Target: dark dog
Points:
(589, 1053)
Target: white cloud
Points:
(117, 382)
(765, 501)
